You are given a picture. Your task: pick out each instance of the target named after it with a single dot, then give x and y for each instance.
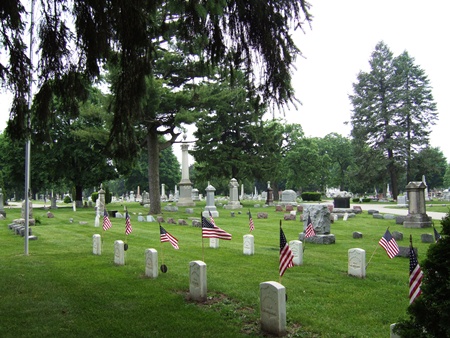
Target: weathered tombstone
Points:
(297, 250)
(427, 238)
(288, 197)
(151, 263)
(398, 236)
(357, 262)
(119, 252)
(249, 245)
(320, 218)
(150, 218)
(345, 218)
(197, 281)
(2, 209)
(269, 194)
(214, 243)
(97, 244)
(417, 217)
(233, 203)
(210, 206)
(195, 195)
(102, 203)
(163, 192)
(391, 330)
(185, 184)
(357, 235)
(272, 296)
(401, 201)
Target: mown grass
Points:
(62, 289)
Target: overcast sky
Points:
(338, 45)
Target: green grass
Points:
(62, 290)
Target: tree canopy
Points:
(393, 110)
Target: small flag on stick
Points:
(128, 227)
(210, 230)
(250, 221)
(437, 236)
(389, 244)
(309, 232)
(166, 237)
(286, 255)
(415, 275)
(106, 221)
(211, 219)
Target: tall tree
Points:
(227, 130)
(417, 110)
(384, 116)
(432, 163)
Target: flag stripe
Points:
(389, 244)
(250, 222)
(309, 232)
(166, 237)
(106, 221)
(415, 276)
(286, 255)
(210, 230)
(128, 227)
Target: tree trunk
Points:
(79, 196)
(153, 172)
(393, 174)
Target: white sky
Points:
(338, 45)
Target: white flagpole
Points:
(28, 142)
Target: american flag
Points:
(286, 255)
(250, 222)
(210, 230)
(389, 244)
(166, 237)
(106, 221)
(211, 219)
(309, 232)
(437, 236)
(415, 276)
(128, 228)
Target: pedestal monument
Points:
(417, 216)
(185, 199)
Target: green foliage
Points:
(430, 312)
(446, 180)
(311, 196)
(393, 110)
(432, 163)
(366, 200)
(67, 199)
(94, 196)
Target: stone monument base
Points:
(417, 221)
(233, 206)
(318, 239)
(214, 213)
(185, 203)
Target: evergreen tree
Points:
(388, 103)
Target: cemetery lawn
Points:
(62, 290)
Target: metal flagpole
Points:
(28, 142)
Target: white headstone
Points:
(357, 262)
(150, 218)
(97, 244)
(197, 280)
(214, 243)
(345, 216)
(297, 250)
(272, 297)
(119, 253)
(391, 329)
(141, 218)
(249, 245)
(97, 221)
(151, 263)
